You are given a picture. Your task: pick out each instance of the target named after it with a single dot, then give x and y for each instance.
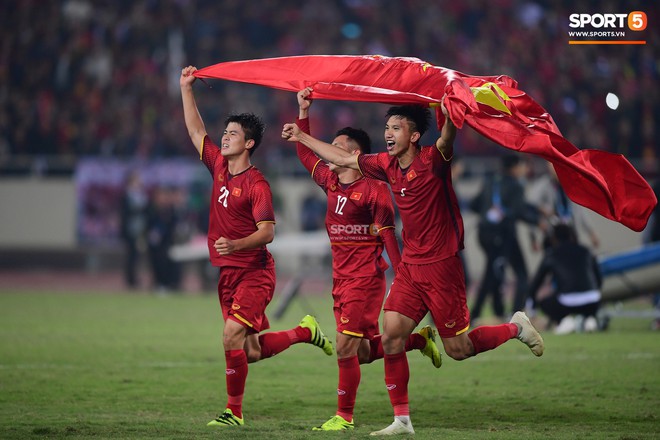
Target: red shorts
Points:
(438, 288)
(357, 304)
(244, 294)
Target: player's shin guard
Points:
(349, 380)
(397, 375)
(236, 375)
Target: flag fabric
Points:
(492, 105)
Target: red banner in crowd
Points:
(492, 105)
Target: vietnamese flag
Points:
(492, 105)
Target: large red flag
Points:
(492, 105)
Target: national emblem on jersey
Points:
(411, 175)
(356, 196)
(236, 192)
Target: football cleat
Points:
(227, 418)
(318, 338)
(527, 333)
(397, 427)
(336, 423)
(430, 350)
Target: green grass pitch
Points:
(97, 365)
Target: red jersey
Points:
(355, 215)
(238, 204)
(432, 222)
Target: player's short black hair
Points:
(418, 116)
(252, 125)
(359, 136)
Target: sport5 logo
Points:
(371, 229)
(636, 20)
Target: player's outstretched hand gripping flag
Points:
(492, 105)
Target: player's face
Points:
(398, 136)
(233, 140)
(346, 144)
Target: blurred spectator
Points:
(550, 198)
(133, 225)
(500, 205)
(576, 281)
(162, 222)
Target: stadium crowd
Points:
(99, 78)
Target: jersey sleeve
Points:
(262, 202)
(391, 246)
(210, 153)
(316, 167)
(372, 165)
(440, 165)
(382, 207)
(383, 215)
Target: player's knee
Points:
(393, 343)
(364, 358)
(232, 341)
(460, 352)
(345, 351)
(253, 356)
(457, 354)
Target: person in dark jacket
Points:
(133, 219)
(576, 280)
(500, 205)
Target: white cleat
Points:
(397, 427)
(566, 326)
(590, 324)
(527, 333)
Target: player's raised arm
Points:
(328, 152)
(304, 102)
(306, 156)
(194, 122)
(445, 143)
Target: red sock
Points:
(273, 343)
(397, 375)
(300, 334)
(415, 342)
(349, 380)
(237, 370)
(375, 349)
(276, 342)
(487, 337)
